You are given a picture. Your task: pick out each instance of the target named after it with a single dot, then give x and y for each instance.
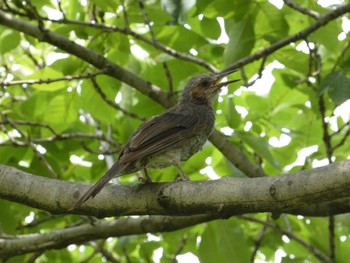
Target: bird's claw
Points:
(144, 180)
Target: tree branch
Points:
(101, 229)
(153, 91)
(48, 81)
(89, 56)
(316, 252)
(100, 62)
(323, 20)
(301, 9)
(304, 193)
(235, 156)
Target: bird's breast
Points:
(200, 131)
(194, 138)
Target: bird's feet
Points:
(183, 176)
(145, 179)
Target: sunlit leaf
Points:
(223, 241)
(338, 87)
(242, 40)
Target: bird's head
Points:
(204, 88)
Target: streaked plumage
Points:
(171, 137)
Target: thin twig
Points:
(97, 249)
(29, 142)
(30, 123)
(316, 61)
(258, 242)
(112, 104)
(326, 136)
(33, 59)
(125, 14)
(169, 78)
(342, 55)
(342, 141)
(48, 81)
(35, 256)
(59, 137)
(38, 222)
(104, 152)
(146, 20)
(180, 248)
(301, 9)
(260, 71)
(59, 3)
(154, 38)
(331, 230)
(323, 20)
(317, 253)
(109, 256)
(347, 124)
(128, 31)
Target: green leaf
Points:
(259, 145)
(210, 28)
(293, 59)
(10, 39)
(178, 37)
(106, 5)
(224, 241)
(47, 74)
(242, 40)
(328, 36)
(338, 87)
(233, 118)
(271, 21)
(35, 106)
(178, 9)
(257, 103)
(92, 102)
(61, 112)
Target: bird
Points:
(171, 137)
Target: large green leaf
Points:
(9, 40)
(271, 21)
(224, 241)
(61, 111)
(177, 9)
(293, 59)
(337, 84)
(233, 118)
(260, 146)
(328, 36)
(242, 40)
(48, 74)
(180, 38)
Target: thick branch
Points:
(302, 193)
(89, 56)
(235, 156)
(60, 238)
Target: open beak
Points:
(217, 86)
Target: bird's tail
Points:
(115, 171)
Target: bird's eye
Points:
(205, 83)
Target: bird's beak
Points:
(217, 86)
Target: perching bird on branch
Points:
(171, 137)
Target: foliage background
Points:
(63, 118)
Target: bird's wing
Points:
(157, 134)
